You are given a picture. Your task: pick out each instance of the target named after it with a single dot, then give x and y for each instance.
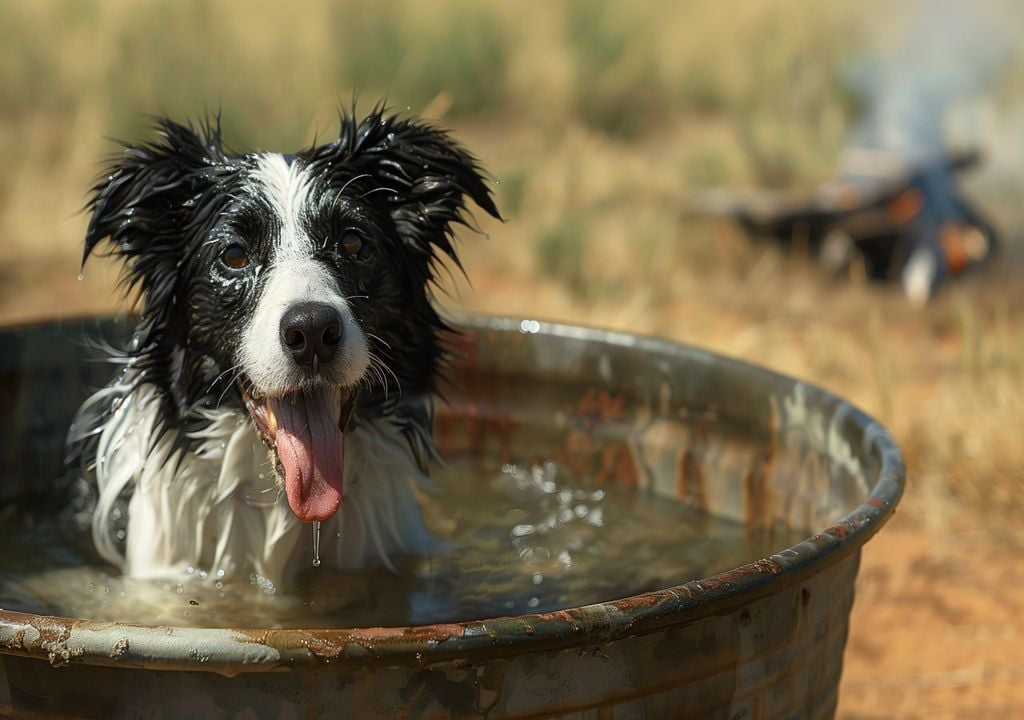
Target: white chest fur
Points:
(219, 507)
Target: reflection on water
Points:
(523, 538)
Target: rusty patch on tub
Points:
(601, 406)
(16, 640)
(119, 649)
(691, 482)
(756, 493)
(54, 639)
(360, 642)
(765, 567)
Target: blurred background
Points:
(621, 140)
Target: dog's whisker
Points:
(216, 379)
(228, 386)
(379, 339)
(351, 180)
(368, 193)
(374, 369)
(383, 368)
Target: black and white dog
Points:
(285, 303)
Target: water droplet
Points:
(538, 578)
(316, 543)
(81, 276)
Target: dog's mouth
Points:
(305, 429)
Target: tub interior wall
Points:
(657, 418)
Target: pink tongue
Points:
(310, 448)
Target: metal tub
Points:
(760, 641)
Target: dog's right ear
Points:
(151, 196)
(152, 201)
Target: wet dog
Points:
(286, 350)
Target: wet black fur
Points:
(170, 206)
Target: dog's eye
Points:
(235, 257)
(350, 243)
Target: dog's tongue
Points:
(311, 451)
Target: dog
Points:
(286, 352)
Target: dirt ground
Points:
(936, 629)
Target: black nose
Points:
(311, 333)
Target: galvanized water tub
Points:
(760, 641)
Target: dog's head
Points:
(295, 285)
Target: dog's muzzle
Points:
(304, 426)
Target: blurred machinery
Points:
(905, 222)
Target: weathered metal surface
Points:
(761, 641)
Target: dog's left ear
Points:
(430, 174)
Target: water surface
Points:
(524, 537)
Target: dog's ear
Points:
(150, 197)
(150, 202)
(425, 175)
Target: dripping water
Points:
(316, 543)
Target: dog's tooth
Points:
(271, 419)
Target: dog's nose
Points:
(311, 333)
